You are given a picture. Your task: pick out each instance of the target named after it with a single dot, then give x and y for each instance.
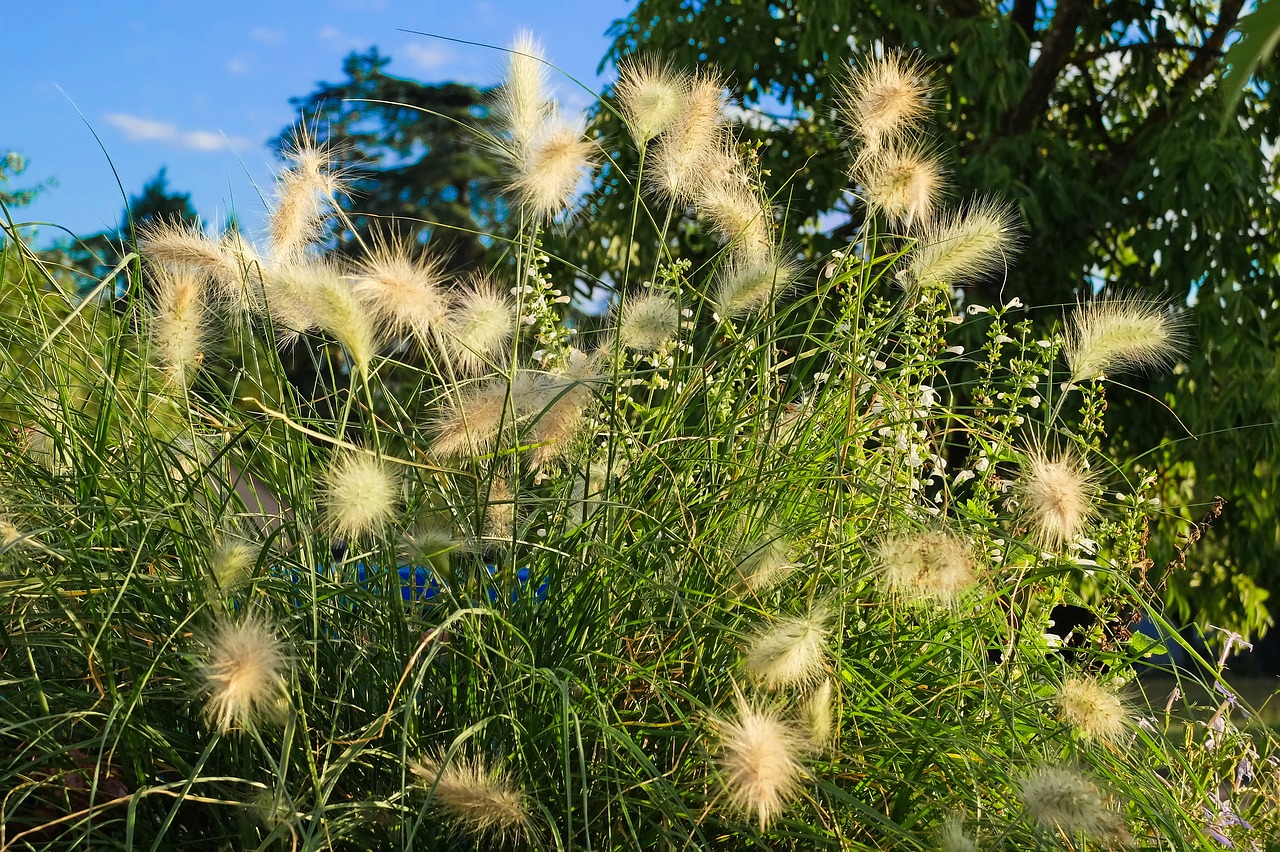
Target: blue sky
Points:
(200, 87)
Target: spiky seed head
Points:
(227, 262)
(433, 537)
(650, 95)
(790, 653)
(480, 797)
(179, 325)
(816, 712)
(760, 760)
(1062, 799)
(931, 567)
(647, 321)
(480, 324)
(680, 154)
(886, 98)
(765, 560)
(523, 102)
(747, 286)
(1056, 496)
(1096, 711)
(903, 183)
(1121, 333)
(547, 175)
(951, 836)
(406, 296)
(728, 197)
(289, 297)
(360, 494)
(962, 247)
(231, 559)
(565, 396)
(305, 193)
(473, 421)
(339, 313)
(499, 521)
(244, 674)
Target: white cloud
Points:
(331, 33)
(428, 57)
(266, 36)
(138, 129)
(237, 66)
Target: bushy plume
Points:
(816, 712)
(179, 325)
(406, 296)
(433, 537)
(951, 836)
(339, 313)
(550, 167)
(760, 760)
(765, 561)
(523, 102)
(962, 247)
(305, 194)
(886, 99)
(360, 494)
(1061, 799)
(588, 485)
(1056, 496)
(729, 199)
(648, 320)
(472, 421)
(231, 264)
(650, 96)
(678, 167)
(1121, 333)
(499, 520)
(932, 566)
(231, 559)
(564, 398)
(289, 297)
(244, 674)
(746, 286)
(791, 652)
(903, 183)
(480, 325)
(482, 799)
(1096, 711)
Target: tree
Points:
(413, 155)
(1101, 122)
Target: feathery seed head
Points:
(760, 760)
(1060, 799)
(791, 652)
(1056, 496)
(360, 494)
(178, 327)
(728, 197)
(482, 799)
(1097, 712)
(933, 566)
(650, 96)
(962, 247)
(951, 836)
(185, 246)
(523, 102)
(231, 558)
(472, 422)
(886, 98)
(405, 296)
(289, 297)
(765, 561)
(1121, 333)
(480, 325)
(339, 312)
(433, 538)
(816, 713)
(697, 134)
(499, 513)
(562, 407)
(647, 321)
(305, 193)
(244, 674)
(902, 183)
(555, 160)
(746, 286)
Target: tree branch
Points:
(1055, 51)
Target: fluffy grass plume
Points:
(886, 98)
(678, 167)
(1094, 710)
(646, 321)
(650, 96)
(1061, 799)
(765, 561)
(564, 399)
(360, 494)
(760, 760)
(817, 711)
(523, 102)
(231, 264)
(231, 558)
(406, 296)
(305, 193)
(481, 323)
(179, 325)
(962, 247)
(729, 199)
(951, 836)
(481, 799)
(1122, 333)
(903, 183)
(244, 674)
(932, 566)
(339, 312)
(553, 164)
(746, 285)
(471, 422)
(790, 653)
(1057, 497)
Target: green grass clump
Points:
(766, 560)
